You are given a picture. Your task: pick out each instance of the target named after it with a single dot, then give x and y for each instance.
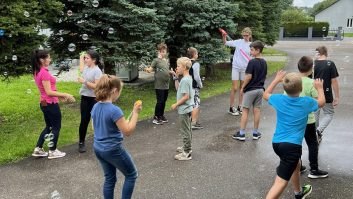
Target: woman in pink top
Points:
(49, 98)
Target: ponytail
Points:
(106, 85)
(36, 56)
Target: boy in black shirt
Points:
(253, 90)
(326, 69)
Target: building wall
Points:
(337, 15)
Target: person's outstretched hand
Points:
(280, 75)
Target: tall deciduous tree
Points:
(20, 23)
(271, 20)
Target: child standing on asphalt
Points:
(162, 74)
(253, 89)
(292, 116)
(305, 67)
(110, 126)
(196, 85)
(184, 104)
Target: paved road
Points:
(221, 167)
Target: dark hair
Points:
(258, 45)
(305, 64)
(95, 56)
(322, 50)
(36, 56)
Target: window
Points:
(349, 22)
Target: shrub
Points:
(300, 29)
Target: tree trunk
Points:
(109, 68)
(210, 70)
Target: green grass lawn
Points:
(273, 52)
(348, 34)
(21, 120)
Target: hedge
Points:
(300, 29)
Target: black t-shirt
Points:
(191, 73)
(258, 69)
(326, 70)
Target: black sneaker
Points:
(319, 136)
(157, 121)
(306, 190)
(314, 174)
(237, 136)
(240, 110)
(164, 119)
(81, 147)
(233, 111)
(256, 136)
(302, 169)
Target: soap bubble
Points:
(95, 3)
(46, 137)
(55, 195)
(26, 14)
(5, 57)
(29, 91)
(61, 39)
(10, 35)
(203, 78)
(71, 47)
(50, 144)
(69, 13)
(324, 29)
(111, 30)
(5, 74)
(86, 15)
(84, 36)
(14, 57)
(51, 136)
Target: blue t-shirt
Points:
(292, 116)
(107, 135)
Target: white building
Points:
(339, 14)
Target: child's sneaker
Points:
(56, 154)
(237, 136)
(164, 119)
(319, 136)
(196, 126)
(81, 147)
(39, 152)
(306, 190)
(256, 136)
(315, 174)
(183, 156)
(180, 149)
(302, 169)
(239, 109)
(157, 120)
(233, 111)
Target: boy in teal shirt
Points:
(185, 102)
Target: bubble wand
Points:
(138, 102)
(223, 32)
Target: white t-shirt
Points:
(241, 55)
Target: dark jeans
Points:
(117, 159)
(162, 96)
(86, 106)
(313, 146)
(52, 117)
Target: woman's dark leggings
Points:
(52, 117)
(86, 106)
(162, 96)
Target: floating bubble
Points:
(111, 30)
(55, 195)
(46, 137)
(14, 57)
(84, 36)
(203, 78)
(71, 47)
(5, 57)
(86, 15)
(95, 3)
(10, 35)
(324, 29)
(26, 14)
(61, 39)
(5, 73)
(69, 13)
(50, 144)
(51, 136)
(29, 91)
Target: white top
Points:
(241, 55)
(90, 74)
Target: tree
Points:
(295, 15)
(20, 23)
(119, 30)
(271, 20)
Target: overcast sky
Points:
(305, 3)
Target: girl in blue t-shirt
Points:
(110, 126)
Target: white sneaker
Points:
(183, 156)
(56, 154)
(180, 149)
(39, 152)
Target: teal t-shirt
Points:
(185, 87)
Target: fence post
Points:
(281, 33)
(339, 33)
(310, 33)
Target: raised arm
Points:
(279, 78)
(127, 127)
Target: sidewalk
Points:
(221, 167)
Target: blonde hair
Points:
(246, 30)
(184, 61)
(105, 87)
(162, 46)
(191, 52)
(292, 83)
